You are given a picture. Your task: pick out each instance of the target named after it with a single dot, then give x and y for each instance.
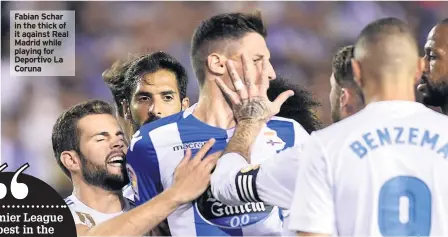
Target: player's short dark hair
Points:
(114, 77)
(152, 63)
(385, 27)
(66, 135)
(233, 26)
(342, 66)
(298, 107)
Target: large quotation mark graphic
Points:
(3, 189)
(18, 190)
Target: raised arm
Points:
(251, 106)
(235, 181)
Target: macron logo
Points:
(191, 145)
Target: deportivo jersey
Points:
(84, 215)
(156, 150)
(236, 182)
(380, 172)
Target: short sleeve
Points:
(312, 206)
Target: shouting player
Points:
(154, 87)
(90, 148)
(380, 171)
(158, 147)
(346, 97)
(434, 83)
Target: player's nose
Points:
(155, 109)
(118, 142)
(271, 72)
(426, 64)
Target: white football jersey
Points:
(235, 182)
(84, 215)
(380, 172)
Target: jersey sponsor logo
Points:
(133, 179)
(231, 217)
(86, 219)
(135, 138)
(191, 145)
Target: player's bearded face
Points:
(336, 113)
(98, 175)
(435, 92)
(335, 94)
(156, 96)
(434, 82)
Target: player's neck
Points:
(98, 199)
(212, 108)
(387, 93)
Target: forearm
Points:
(222, 181)
(245, 134)
(140, 220)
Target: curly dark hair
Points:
(114, 77)
(298, 107)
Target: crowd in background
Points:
(302, 37)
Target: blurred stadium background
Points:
(302, 37)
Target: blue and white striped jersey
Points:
(156, 150)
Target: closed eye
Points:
(257, 60)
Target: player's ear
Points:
(344, 98)
(126, 110)
(216, 64)
(185, 103)
(70, 160)
(356, 69)
(127, 124)
(420, 69)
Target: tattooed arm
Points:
(243, 138)
(235, 181)
(251, 117)
(250, 104)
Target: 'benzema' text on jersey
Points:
(399, 136)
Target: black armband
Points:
(246, 184)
